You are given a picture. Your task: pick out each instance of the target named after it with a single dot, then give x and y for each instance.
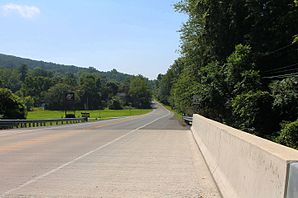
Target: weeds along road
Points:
(150, 155)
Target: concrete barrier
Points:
(244, 165)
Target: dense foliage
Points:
(13, 62)
(289, 135)
(11, 106)
(238, 64)
(40, 87)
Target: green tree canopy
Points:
(238, 63)
(11, 106)
(55, 97)
(139, 92)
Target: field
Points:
(100, 114)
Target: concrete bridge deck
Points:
(142, 156)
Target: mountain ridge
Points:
(11, 61)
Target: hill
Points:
(9, 61)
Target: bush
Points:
(289, 135)
(11, 106)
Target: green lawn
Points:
(101, 114)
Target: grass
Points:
(38, 113)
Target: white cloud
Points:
(24, 11)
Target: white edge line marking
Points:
(78, 158)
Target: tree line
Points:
(22, 88)
(238, 65)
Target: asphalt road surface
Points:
(150, 155)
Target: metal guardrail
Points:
(8, 123)
(187, 119)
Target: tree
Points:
(11, 106)
(253, 112)
(55, 96)
(285, 94)
(230, 52)
(9, 79)
(112, 89)
(165, 82)
(90, 91)
(37, 83)
(183, 92)
(23, 72)
(139, 92)
(164, 89)
(211, 96)
(71, 80)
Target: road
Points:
(150, 155)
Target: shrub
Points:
(289, 135)
(11, 106)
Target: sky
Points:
(132, 36)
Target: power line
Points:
(280, 49)
(282, 76)
(287, 71)
(285, 67)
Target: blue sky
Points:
(132, 36)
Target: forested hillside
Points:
(14, 62)
(238, 65)
(25, 84)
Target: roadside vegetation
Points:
(24, 90)
(238, 65)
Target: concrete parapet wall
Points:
(244, 165)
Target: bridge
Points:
(150, 155)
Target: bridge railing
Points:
(9, 123)
(244, 165)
